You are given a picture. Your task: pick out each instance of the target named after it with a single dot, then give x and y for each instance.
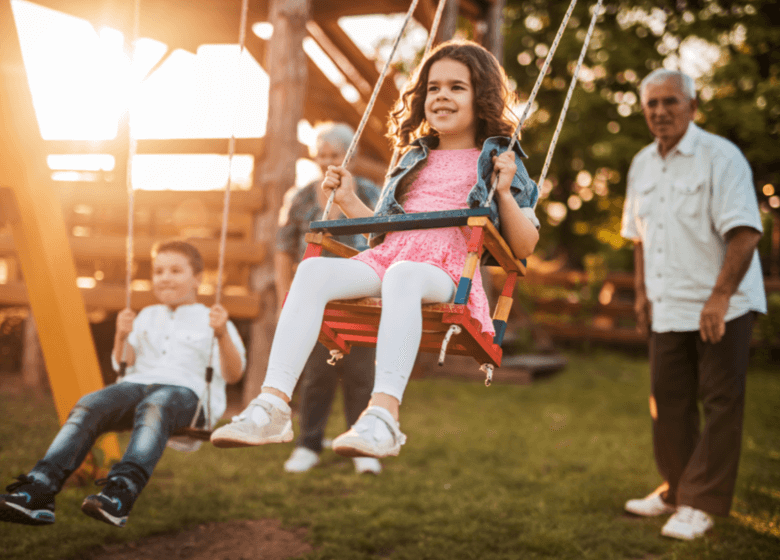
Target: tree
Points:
(733, 46)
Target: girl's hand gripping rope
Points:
(505, 167)
(339, 180)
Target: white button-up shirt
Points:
(172, 347)
(681, 207)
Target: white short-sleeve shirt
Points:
(172, 347)
(681, 207)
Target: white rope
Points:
(225, 213)
(573, 83)
(428, 46)
(370, 106)
(131, 152)
(534, 92)
(434, 27)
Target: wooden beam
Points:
(40, 236)
(254, 146)
(113, 248)
(111, 297)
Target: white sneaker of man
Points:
(649, 506)
(261, 422)
(367, 465)
(375, 434)
(301, 460)
(687, 524)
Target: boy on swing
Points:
(167, 348)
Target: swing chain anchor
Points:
(454, 329)
(488, 369)
(335, 355)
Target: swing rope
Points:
(223, 231)
(370, 106)
(534, 92)
(573, 83)
(428, 46)
(131, 152)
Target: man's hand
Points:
(218, 317)
(644, 313)
(712, 324)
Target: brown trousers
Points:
(699, 463)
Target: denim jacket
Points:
(523, 188)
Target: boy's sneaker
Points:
(687, 524)
(30, 502)
(367, 465)
(260, 423)
(112, 505)
(301, 460)
(375, 434)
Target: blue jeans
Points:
(153, 412)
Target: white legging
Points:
(406, 286)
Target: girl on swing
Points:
(454, 123)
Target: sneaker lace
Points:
(112, 484)
(21, 480)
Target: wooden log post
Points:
(494, 35)
(449, 21)
(287, 69)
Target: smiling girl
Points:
(452, 124)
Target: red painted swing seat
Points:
(355, 322)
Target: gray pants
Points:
(356, 371)
(699, 463)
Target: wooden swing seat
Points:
(356, 322)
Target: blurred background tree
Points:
(732, 49)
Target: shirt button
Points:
(164, 350)
(662, 199)
(659, 275)
(660, 250)
(660, 226)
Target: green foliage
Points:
(534, 472)
(604, 128)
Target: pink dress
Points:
(443, 184)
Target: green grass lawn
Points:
(507, 472)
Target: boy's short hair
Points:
(183, 248)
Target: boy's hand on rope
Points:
(505, 167)
(218, 318)
(124, 323)
(339, 180)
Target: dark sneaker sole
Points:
(16, 514)
(92, 508)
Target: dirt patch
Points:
(262, 539)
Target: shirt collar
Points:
(687, 143)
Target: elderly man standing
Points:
(692, 212)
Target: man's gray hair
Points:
(660, 75)
(338, 135)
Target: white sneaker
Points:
(301, 460)
(367, 465)
(375, 434)
(650, 506)
(260, 423)
(687, 524)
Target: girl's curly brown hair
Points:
(492, 96)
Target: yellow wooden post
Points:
(32, 208)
